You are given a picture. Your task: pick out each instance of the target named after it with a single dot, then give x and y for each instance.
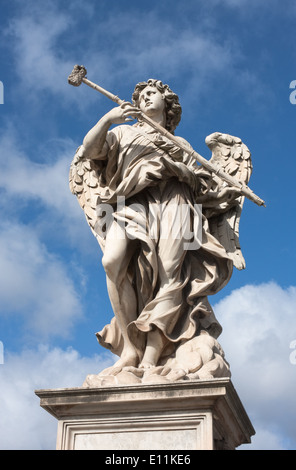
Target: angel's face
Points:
(151, 101)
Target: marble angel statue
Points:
(169, 233)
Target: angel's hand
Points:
(124, 113)
(215, 198)
(228, 194)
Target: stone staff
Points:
(78, 75)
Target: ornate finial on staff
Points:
(77, 75)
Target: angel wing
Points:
(234, 157)
(84, 183)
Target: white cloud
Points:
(265, 439)
(44, 187)
(35, 35)
(24, 425)
(46, 182)
(46, 41)
(119, 50)
(35, 284)
(259, 323)
(248, 4)
(164, 48)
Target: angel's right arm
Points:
(95, 139)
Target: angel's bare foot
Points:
(150, 357)
(146, 365)
(129, 359)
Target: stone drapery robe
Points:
(155, 178)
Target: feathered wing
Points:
(84, 183)
(234, 157)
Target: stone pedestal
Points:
(188, 415)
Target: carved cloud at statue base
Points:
(199, 358)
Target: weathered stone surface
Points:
(189, 415)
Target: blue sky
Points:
(231, 62)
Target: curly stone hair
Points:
(173, 107)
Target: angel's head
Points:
(172, 107)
